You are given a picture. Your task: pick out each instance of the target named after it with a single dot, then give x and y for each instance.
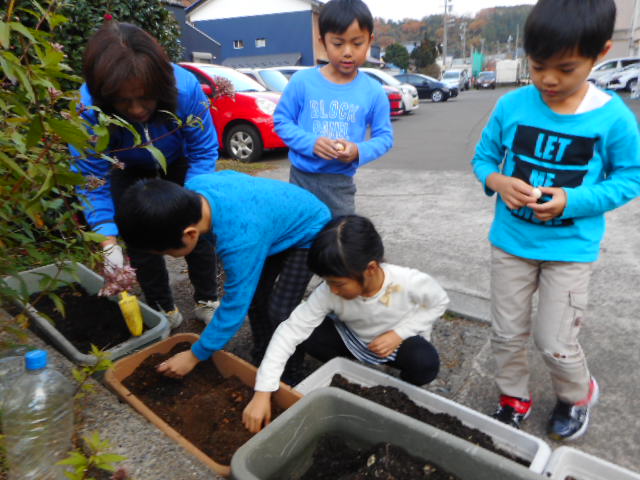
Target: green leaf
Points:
(93, 237)
(4, 34)
(70, 133)
(103, 137)
(75, 459)
(9, 162)
(35, 133)
(18, 27)
(158, 155)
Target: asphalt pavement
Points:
(434, 216)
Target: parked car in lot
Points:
(456, 79)
(273, 80)
(610, 66)
(395, 100)
(288, 70)
(410, 99)
(244, 124)
(625, 79)
(485, 79)
(427, 87)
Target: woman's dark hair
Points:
(153, 214)
(344, 248)
(118, 52)
(560, 26)
(337, 15)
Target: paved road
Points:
(440, 136)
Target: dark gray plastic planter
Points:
(285, 447)
(155, 322)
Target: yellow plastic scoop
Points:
(130, 309)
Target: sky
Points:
(401, 9)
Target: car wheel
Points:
(437, 96)
(632, 84)
(243, 143)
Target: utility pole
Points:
(634, 25)
(444, 41)
(515, 47)
(464, 41)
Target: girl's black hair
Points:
(344, 248)
(153, 214)
(560, 26)
(337, 15)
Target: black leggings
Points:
(417, 359)
(151, 270)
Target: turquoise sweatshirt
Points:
(252, 218)
(594, 156)
(312, 106)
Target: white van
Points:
(611, 66)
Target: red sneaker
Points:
(513, 410)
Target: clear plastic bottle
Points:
(37, 421)
(11, 367)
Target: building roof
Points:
(269, 60)
(315, 4)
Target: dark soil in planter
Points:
(382, 461)
(204, 407)
(394, 399)
(89, 319)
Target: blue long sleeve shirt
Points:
(198, 145)
(312, 106)
(594, 156)
(252, 218)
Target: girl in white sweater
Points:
(365, 309)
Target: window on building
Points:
(261, 42)
(238, 44)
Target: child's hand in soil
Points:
(552, 208)
(257, 412)
(178, 365)
(347, 151)
(325, 148)
(385, 344)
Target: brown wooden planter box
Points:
(226, 363)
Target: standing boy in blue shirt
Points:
(263, 230)
(324, 112)
(559, 153)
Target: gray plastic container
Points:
(512, 440)
(567, 461)
(285, 447)
(155, 322)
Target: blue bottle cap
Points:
(36, 359)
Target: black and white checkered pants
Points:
(281, 288)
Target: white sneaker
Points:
(174, 317)
(205, 309)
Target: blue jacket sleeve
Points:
(381, 139)
(97, 203)
(201, 143)
(285, 120)
(243, 268)
(622, 174)
(489, 151)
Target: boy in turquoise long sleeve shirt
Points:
(263, 230)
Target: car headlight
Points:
(266, 106)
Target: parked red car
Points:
(395, 100)
(244, 124)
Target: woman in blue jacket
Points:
(127, 73)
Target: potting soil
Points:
(203, 406)
(89, 319)
(333, 458)
(394, 399)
